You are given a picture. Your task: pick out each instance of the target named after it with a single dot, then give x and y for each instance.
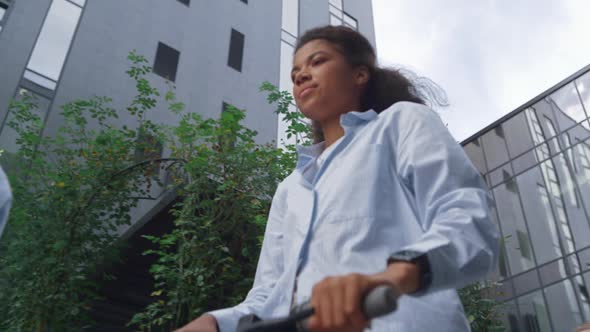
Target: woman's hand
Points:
(205, 323)
(337, 300)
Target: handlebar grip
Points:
(379, 301)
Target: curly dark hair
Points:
(386, 86)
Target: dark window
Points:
(236, 50)
(166, 62)
(186, 2)
(245, 1)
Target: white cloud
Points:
(490, 56)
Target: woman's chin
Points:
(312, 113)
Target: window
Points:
(568, 106)
(563, 307)
(288, 38)
(80, 3)
(570, 151)
(290, 16)
(335, 20)
(236, 50)
(550, 126)
(524, 245)
(244, 1)
(526, 282)
(335, 9)
(533, 312)
(350, 21)
(52, 46)
(336, 3)
(583, 84)
(166, 62)
(186, 2)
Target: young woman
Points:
(384, 196)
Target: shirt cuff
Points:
(227, 319)
(422, 261)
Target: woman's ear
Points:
(362, 76)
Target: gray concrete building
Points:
(536, 161)
(214, 51)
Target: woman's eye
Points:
(317, 61)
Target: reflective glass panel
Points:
(537, 209)
(52, 46)
(518, 135)
(518, 246)
(567, 106)
(335, 20)
(583, 84)
(291, 16)
(533, 312)
(336, 3)
(552, 272)
(526, 282)
(494, 147)
(350, 21)
(40, 80)
(563, 306)
(475, 153)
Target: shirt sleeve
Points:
(269, 269)
(451, 199)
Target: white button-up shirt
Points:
(395, 181)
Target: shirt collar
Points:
(347, 121)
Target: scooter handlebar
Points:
(379, 301)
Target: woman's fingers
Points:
(337, 296)
(352, 300)
(337, 304)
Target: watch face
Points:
(406, 255)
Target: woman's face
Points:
(324, 84)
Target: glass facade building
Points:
(536, 162)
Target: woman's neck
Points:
(332, 132)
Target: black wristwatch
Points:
(418, 258)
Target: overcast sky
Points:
(490, 56)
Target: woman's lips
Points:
(306, 91)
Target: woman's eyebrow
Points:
(295, 68)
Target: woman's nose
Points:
(302, 77)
